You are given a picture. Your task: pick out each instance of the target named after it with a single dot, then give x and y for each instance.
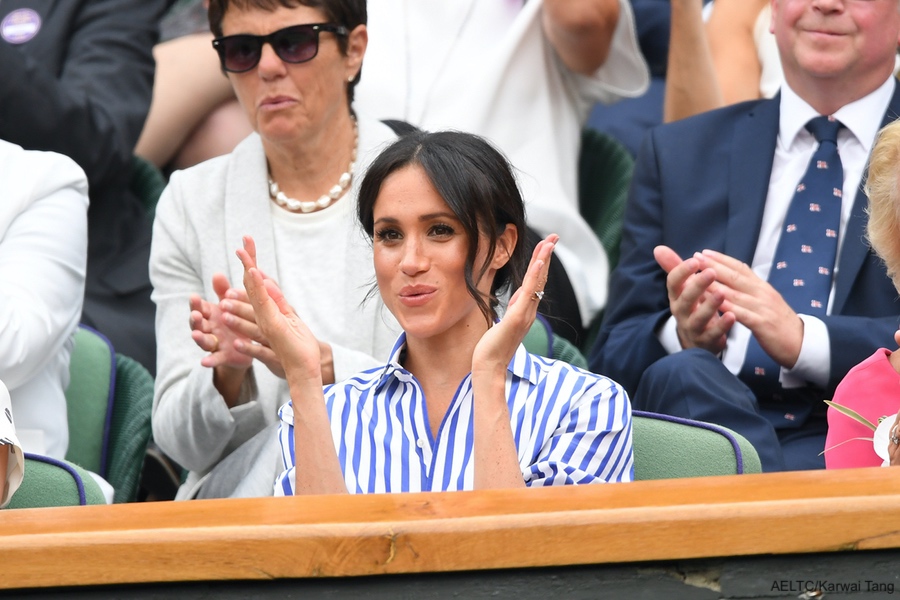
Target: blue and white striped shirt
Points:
(570, 426)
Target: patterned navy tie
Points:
(806, 252)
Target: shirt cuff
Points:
(814, 363)
(668, 336)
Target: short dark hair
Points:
(349, 13)
(477, 183)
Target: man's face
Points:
(849, 42)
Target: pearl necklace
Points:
(324, 200)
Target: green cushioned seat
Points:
(664, 447)
(109, 401)
(669, 447)
(48, 482)
(540, 340)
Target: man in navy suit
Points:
(707, 208)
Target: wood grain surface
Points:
(208, 540)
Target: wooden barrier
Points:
(275, 538)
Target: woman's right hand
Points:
(211, 332)
(295, 346)
(240, 318)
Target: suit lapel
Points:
(854, 248)
(752, 152)
(247, 210)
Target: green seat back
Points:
(89, 399)
(540, 340)
(604, 175)
(147, 182)
(130, 431)
(605, 168)
(669, 447)
(49, 482)
(109, 401)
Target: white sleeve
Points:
(625, 73)
(43, 257)
(191, 422)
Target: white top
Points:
(793, 151)
(15, 465)
(485, 67)
(570, 426)
(332, 263)
(200, 220)
(43, 253)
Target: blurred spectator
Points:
(43, 249)
(730, 59)
(78, 78)
(194, 115)
(629, 120)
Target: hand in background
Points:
(211, 332)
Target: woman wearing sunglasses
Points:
(460, 403)
(292, 186)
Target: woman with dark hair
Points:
(460, 403)
(292, 185)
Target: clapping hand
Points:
(211, 332)
(757, 306)
(498, 345)
(290, 340)
(695, 301)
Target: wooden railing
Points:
(214, 540)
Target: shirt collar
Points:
(856, 117)
(521, 365)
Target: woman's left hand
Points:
(498, 345)
(294, 345)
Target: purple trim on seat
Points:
(110, 400)
(739, 456)
(79, 484)
(543, 320)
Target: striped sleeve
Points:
(592, 441)
(285, 483)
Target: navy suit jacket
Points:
(702, 183)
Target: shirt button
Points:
(420, 443)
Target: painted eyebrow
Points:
(423, 218)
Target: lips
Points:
(822, 28)
(275, 102)
(416, 295)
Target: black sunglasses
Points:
(297, 44)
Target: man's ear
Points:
(357, 42)
(506, 243)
